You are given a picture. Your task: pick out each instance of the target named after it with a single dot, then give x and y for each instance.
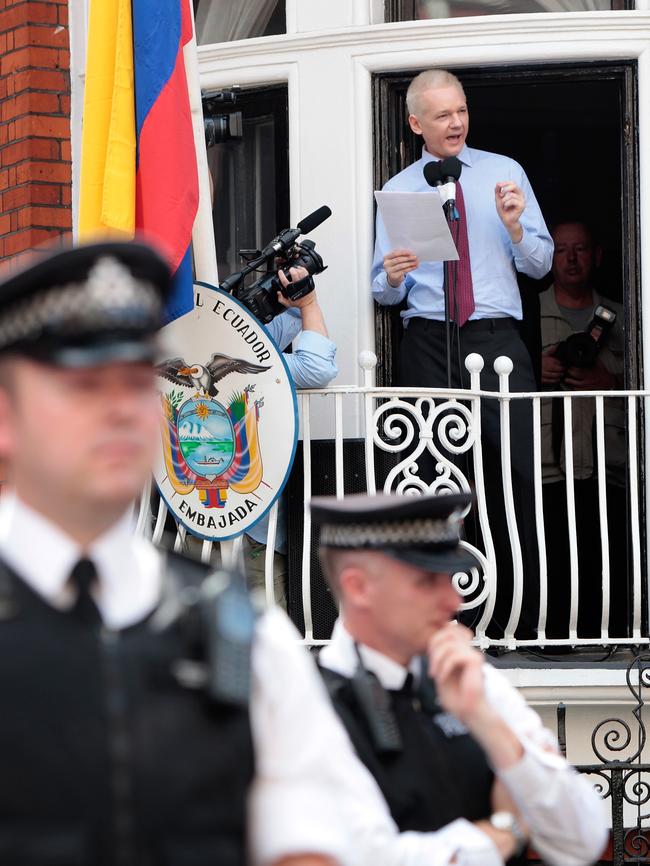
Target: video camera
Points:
(261, 297)
(221, 127)
(581, 349)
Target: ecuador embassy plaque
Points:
(229, 422)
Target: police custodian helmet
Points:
(421, 530)
(86, 305)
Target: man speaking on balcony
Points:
(501, 231)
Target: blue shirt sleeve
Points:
(311, 364)
(285, 328)
(533, 255)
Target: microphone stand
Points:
(451, 214)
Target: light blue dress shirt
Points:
(494, 258)
(311, 365)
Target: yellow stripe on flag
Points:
(107, 194)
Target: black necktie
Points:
(82, 577)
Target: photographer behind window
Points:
(582, 350)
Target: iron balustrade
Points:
(621, 772)
(407, 423)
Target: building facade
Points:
(35, 154)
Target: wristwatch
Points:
(507, 821)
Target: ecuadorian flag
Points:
(138, 164)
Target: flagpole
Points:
(203, 244)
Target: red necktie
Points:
(463, 307)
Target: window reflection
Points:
(250, 173)
(426, 9)
(226, 21)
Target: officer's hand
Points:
(397, 265)
(596, 378)
(295, 274)
(457, 668)
(552, 368)
(510, 203)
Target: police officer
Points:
(126, 736)
(467, 771)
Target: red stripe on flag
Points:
(186, 23)
(167, 190)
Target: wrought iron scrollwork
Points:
(440, 429)
(622, 777)
(436, 433)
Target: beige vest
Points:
(554, 329)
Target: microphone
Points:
(286, 239)
(432, 174)
(444, 175)
(450, 169)
(313, 220)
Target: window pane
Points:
(408, 10)
(251, 200)
(226, 21)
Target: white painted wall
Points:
(327, 58)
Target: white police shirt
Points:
(565, 817)
(292, 807)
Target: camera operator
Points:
(567, 308)
(311, 365)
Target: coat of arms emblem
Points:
(228, 426)
(206, 445)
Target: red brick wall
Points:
(35, 162)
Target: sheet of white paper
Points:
(415, 221)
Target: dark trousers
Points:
(423, 363)
(588, 536)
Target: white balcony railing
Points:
(407, 424)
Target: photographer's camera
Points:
(581, 349)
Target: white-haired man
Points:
(500, 231)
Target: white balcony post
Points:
(539, 518)
(338, 445)
(503, 368)
(306, 533)
(368, 362)
(269, 554)
(159, 526)
(571, 515)
(143, 522)
(602, 513)
(634, 516)
(474, 364)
